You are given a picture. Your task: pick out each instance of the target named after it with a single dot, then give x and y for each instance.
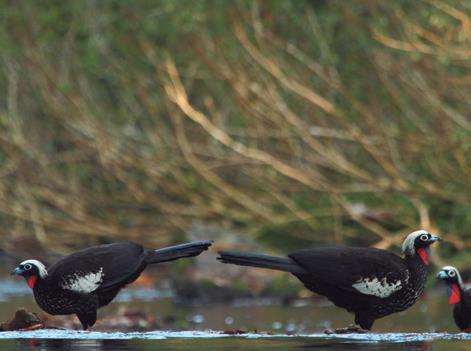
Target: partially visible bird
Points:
(458, 296)
(82, 282)
(369, 282)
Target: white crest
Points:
(408, 246)
(83, 282)
(39, 265)
(374, 286)
(458, 276)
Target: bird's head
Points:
(452, 278)
(417, 243)
(31, 270)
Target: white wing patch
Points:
(83, 282)
(380, 288)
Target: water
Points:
(191, 340)
(304, 321)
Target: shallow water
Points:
(197, 340)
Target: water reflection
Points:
(366, 346)
(75, 345)
(442, 342)
(223, 344)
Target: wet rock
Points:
(234, 332)
(352, 328)
(23, 320)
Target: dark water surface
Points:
(175, 341)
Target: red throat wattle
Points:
(455, 295)
(32, 281)
(423, 255)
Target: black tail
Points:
(261, 261)
(178, 251)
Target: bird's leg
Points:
(87, 319)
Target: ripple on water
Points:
(155, 335)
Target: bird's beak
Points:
(442, 275)
(434, 238)
(17, 271)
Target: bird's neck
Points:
(423, 253)
(32, 280)
(37, 283)
(417, 267)
(455, 291)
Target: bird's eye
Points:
(27, 266)
(451, 274)
(424, 237)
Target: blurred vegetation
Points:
(297, 122)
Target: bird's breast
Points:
(52, 301)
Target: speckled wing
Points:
(99, 268)
(366, 271)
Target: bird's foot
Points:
(352, 328)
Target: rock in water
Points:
(23, 320)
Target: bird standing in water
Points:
(91, 278)
(369, 282)
(457, 296)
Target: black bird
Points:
(369, 282)
(457, 296)
(91, 278)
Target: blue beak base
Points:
(434, 238)
(442, 275)
(17, 271)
